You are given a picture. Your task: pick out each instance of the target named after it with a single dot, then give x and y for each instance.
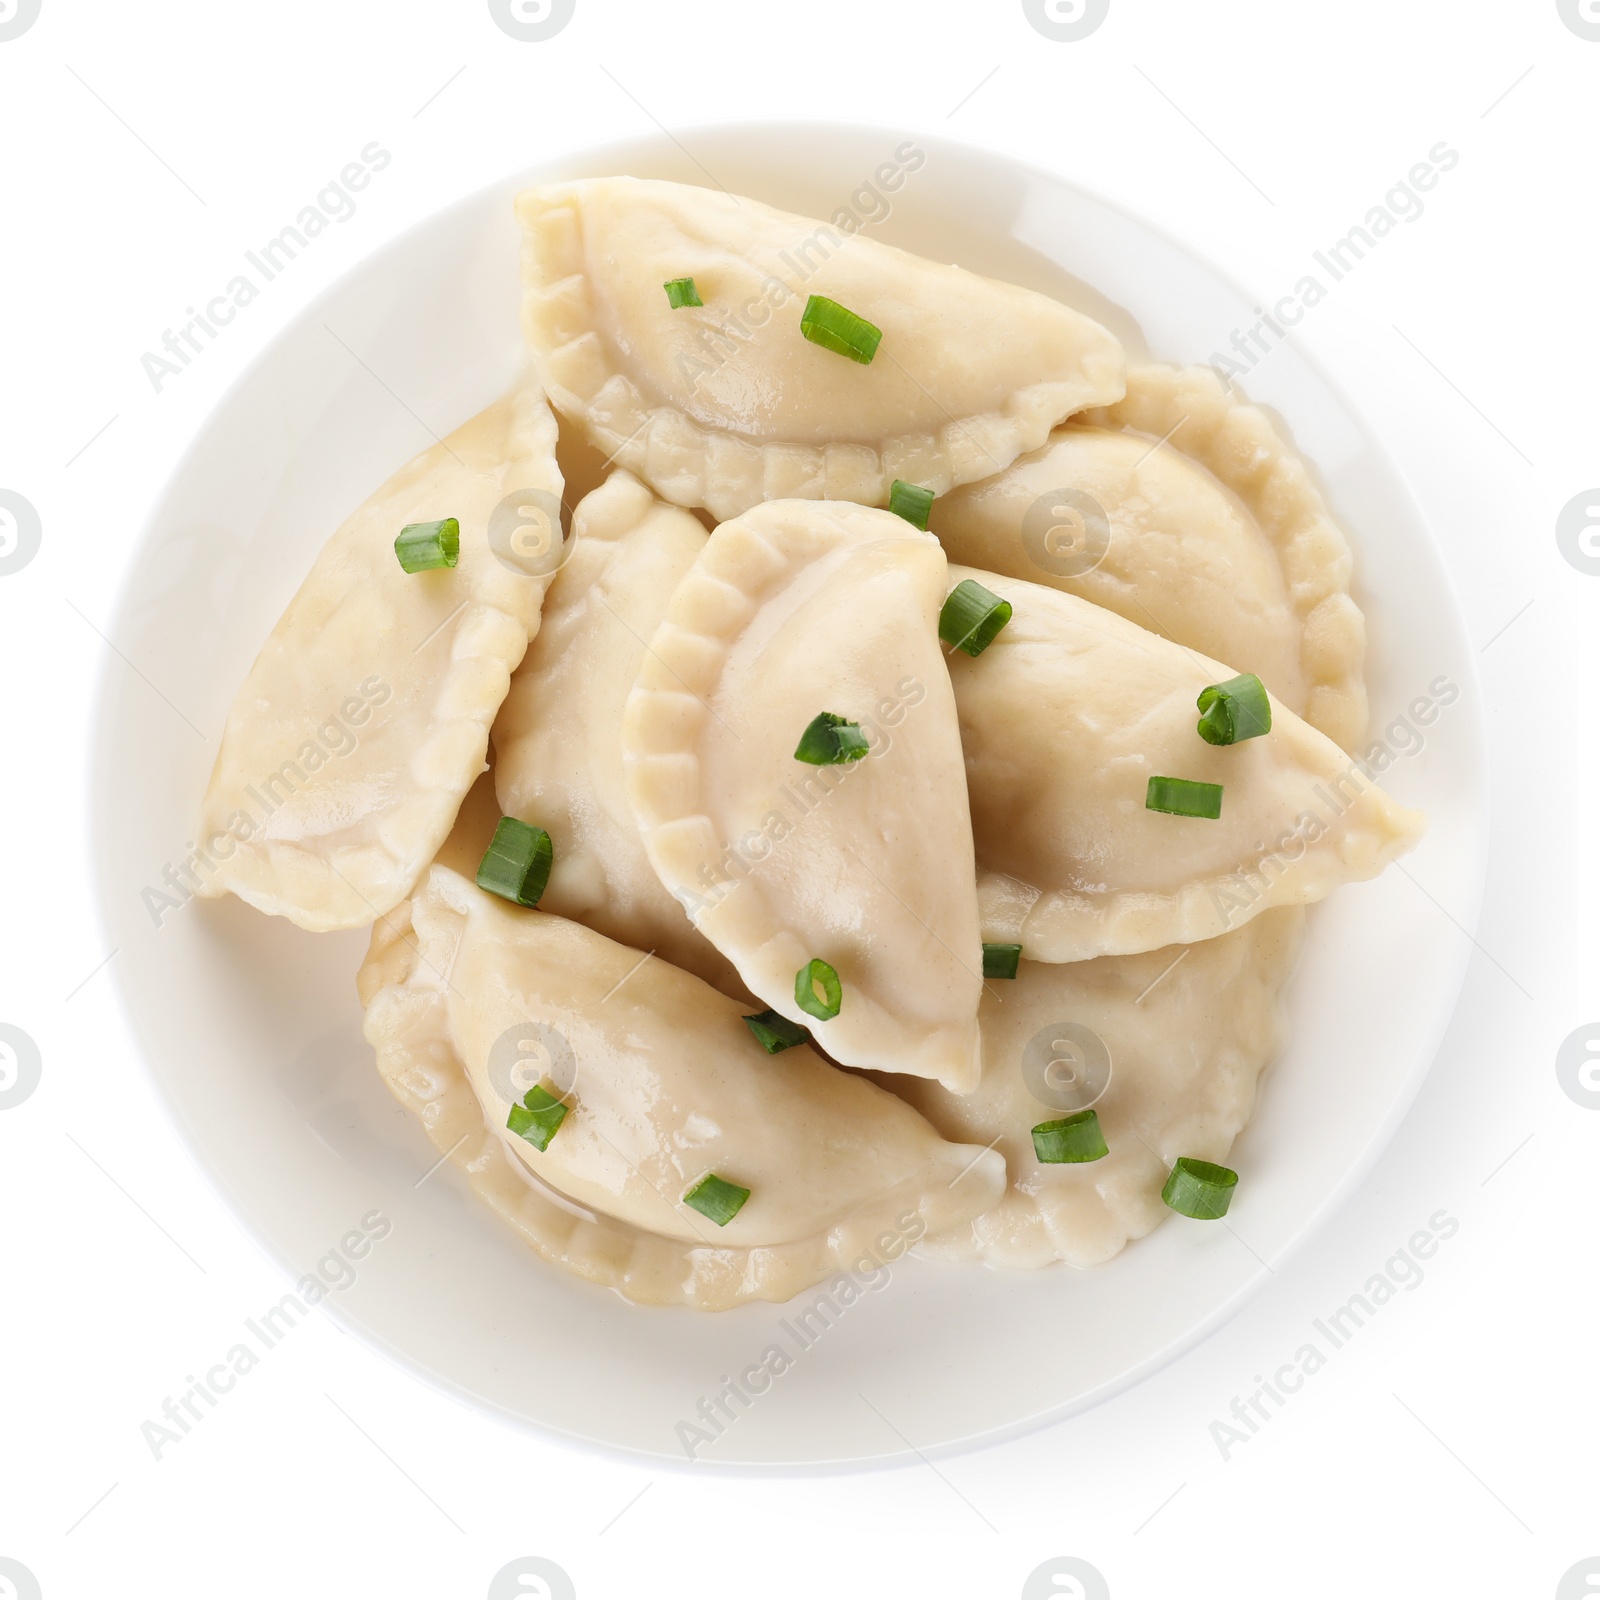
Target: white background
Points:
(1449, 1447)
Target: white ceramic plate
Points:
(250, 1024)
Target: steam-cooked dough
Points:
(726, 404)
(365, 718)
(1185, 1032)
(1154, 537)
(1065, 718)
(557, 740)
(1241, 446)
(794, 609)
(665, 1084)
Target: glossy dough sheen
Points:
(1186, 1050)
(727, 404)
(558, 750)
(365, 718)
(794, 609)
(669, 1085)
(1239, 445)
(1064, 719)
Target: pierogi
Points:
(470, 1000)
(920, 705)
(407, 668)
(722, 402)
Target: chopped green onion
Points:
(817, 990)
(829, 324)
(716, 1198)
(912, 502)
(774, 1032)
(1000, 960)
(971, 616)
(1182, 797)
(516, 866)
(1200, 1189)
(1070, 1139)
(681, 292)
(537, 1118)
(422, 546)
(829, 741)
(1235, 710)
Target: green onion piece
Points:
(1070, 1139)
(1200, 1189)
(912, 502)
(1235, 710)
(829, 324)
(716, 1198)
(1000, 960)
(516, 866)
(422, 546)
(537, 1118)
(971, 616)
(1181, 797)
(774, 1032)
(830, 741)
(817, 991)
(681, 292)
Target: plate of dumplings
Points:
(847, 828)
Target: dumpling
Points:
(1239, 444)
(471, 1001)
(1064, 720)
(557, 741)
(795, 610)
(724, 403)
(1185, 511)
(1167, 1046)
(365, 718)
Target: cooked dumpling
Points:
(794, 610)
(1167, 1046)
(557, 740)
(725, 403)
(365, 718)
(472, 1001)
(1064, 720)
(1197, 414)
(1137, 527)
